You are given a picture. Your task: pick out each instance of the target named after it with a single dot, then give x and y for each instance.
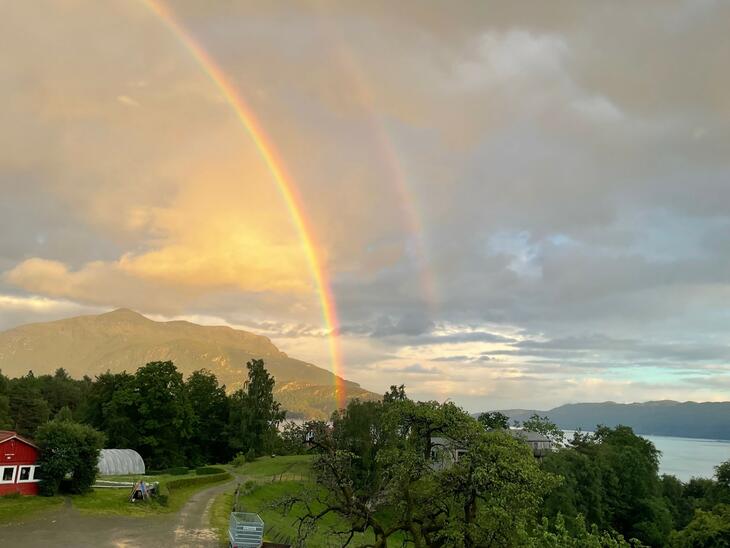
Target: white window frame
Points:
(2, 473)
(31, 477)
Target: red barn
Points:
(17, 464)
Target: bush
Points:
(177, 471)
(239, 460)
(69, 454)
(250, 455)
(208, 470)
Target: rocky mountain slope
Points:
(124, 340)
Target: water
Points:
(687, 457)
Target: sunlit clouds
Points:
(515, 207)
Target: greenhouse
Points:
(117, 462)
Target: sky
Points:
(515, 204)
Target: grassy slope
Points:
(13, 508)
(276, 478)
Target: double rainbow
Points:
(278, 172)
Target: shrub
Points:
(69, 453)
(239, 460)
(177, 471)
(208, 470)
(198, 480)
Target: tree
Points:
(612, 478)
(209, 405)
(28, 409)
(68, 449)
(494, 420)
(546, 427)
(254, 413)
(579, 536)
(164, 414)
(706, 530)
(111, 406)
(5, 419)
(722, 473)
(375, 475)
(60, 390)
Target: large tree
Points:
(209, 405)
(164, 414)
(254, 413)
(111, 405)
(376, 472)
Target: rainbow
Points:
(391, 161)
(278, 171)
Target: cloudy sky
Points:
(518, 204)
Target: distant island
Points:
(709, 420)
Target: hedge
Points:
(167, 486)
(208, 470)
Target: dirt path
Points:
(69, 528)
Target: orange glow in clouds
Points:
(278, 172)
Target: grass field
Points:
(116, 501)
(13, 508)
(274, 479)
(106, 501)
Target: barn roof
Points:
(6, 435)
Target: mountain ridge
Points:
(123, 339)
(689, 419)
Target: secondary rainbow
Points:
(278, 172)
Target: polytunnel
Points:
(118, 462)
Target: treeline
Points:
(169, 420)
(384, 474)
(611, 478)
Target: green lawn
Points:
(267, 468)
(116, 501)
(276, 478)
(12, 508)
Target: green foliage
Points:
(612, 479)
(164, 414)
(546, 427)
(254, 413)
(196, 480)
(577, 536)
(209, 405)
(494, 420)
(376, 473)
(706, 530)
(111, 406)
(68, 448)
(209, 470)
(28, 409)
(239, 460)
(64, 414)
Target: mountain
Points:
(710, 420)
(125, 340)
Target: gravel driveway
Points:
(69, 528)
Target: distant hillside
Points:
(125, 340)
(709, 420)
